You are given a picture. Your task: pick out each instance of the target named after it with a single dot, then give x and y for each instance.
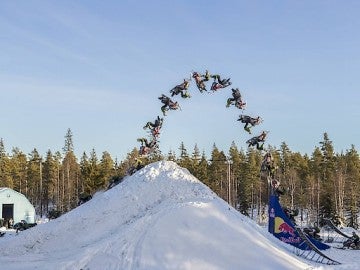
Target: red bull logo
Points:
(286, 228)
(288, 232)
(282, 227)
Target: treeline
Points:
(323, 185)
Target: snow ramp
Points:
(161, 217)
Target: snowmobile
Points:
(240, 105)
(181, 89)
(155, 132)
(168, 104)
(115, 180)
(312, 232)
(134, 169)
(199, 82)
(349, 243)
(257, 139)
(157, 124)
(147, 147)
(145, 150)
(252, 141)
(23, 225)
(83, 198)
(219, 85)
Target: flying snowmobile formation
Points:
(151, 144)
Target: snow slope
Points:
(161, 217)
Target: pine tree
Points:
(18, 169)
(69, 146)
(341, 185)
(353, 187)
(33, 182)
(5, 176)
(85, 182)
(250, 184)
(171, 156)
(70, 180)
(194, 161)
(328, 178)
(237, 160)
(70, 175)
(95, 178)
(217, 173)
(184, 159)
(57, 185)
(202, 169)
(50, 177)
(315, 185)
(106, 169)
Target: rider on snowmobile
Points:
(168, 104)
(181, 89)
(257, 140)
(249, 121)
(236, 99)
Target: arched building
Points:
(16, 206)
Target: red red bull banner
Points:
(283, 228)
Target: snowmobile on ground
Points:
(23, 225)
(353, 242)
(83, 198)
(312, 232)
(115, 180)
(349, 243)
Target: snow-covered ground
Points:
(161, 217)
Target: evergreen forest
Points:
(323, 185)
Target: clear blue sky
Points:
(97, 67)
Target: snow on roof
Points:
(161, 217)
(12, 190)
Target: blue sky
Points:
(97, 67)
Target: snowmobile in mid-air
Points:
(220, 84)
(255, 141)
(199, 82)
(146, 147)
(181, 89)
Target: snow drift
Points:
(161, 217)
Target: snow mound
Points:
(161, 217)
